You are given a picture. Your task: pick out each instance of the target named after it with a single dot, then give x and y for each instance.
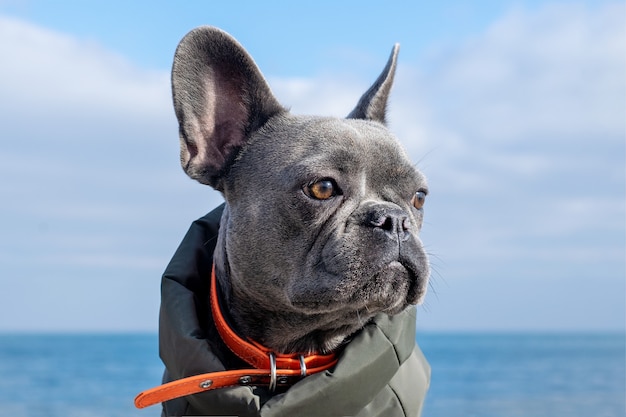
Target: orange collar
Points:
(271, 369)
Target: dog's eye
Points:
(322, 189)
(418, 200)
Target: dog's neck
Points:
(259, 356)
(281, 333)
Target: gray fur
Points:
(299, 274)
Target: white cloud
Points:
(50, 72)
(323, 95)
(555, 73)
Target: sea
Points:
(473, 374)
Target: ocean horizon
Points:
(530, 374)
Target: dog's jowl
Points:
(296, 296)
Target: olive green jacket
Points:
(381, 371)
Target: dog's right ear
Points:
(220, 98)
(373, 104)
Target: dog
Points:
(318, 249)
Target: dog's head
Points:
(321, 227)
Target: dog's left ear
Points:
(373, 104)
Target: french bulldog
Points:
(320, 231)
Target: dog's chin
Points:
(335, 315)
(389, 291)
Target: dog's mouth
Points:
(391, 289)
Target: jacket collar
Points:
(271, 369)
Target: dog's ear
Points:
(220, 98)
(373, 104)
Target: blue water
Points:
(483, 375)
(526, 375)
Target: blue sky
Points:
(513, 110)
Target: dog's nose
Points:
(393, 221)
